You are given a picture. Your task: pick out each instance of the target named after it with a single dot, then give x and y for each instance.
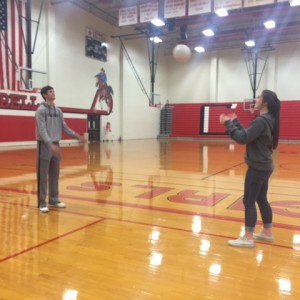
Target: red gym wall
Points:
(22, 128)
(185, 122)
(186, 119)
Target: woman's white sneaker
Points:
(263, 237)
(241, 242)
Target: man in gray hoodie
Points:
(49, 126)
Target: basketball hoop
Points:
(158, 105)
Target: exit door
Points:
(94, 128)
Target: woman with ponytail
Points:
(260, 138)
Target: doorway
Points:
(93, 127)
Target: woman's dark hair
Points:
(45, 89)
(274, 109)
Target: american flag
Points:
(12, 49)
(3, 15)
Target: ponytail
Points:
(274, 109)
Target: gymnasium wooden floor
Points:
(146, 219)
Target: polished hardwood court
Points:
(147, 219)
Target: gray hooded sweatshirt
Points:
(258, 138)
(50, 124)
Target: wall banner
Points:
(197, 7)
(228, 4)
(148, 12)
(251, 3)
(128, 16)
(175, 8)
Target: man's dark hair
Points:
(45, 89)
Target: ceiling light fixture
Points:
(294, 2)
(156, 39)
(250, 43)
(270, 24)
(208, 32)
(158, 22)
(199, 49)
(221, 12)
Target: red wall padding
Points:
(290, 120)
(185, 122)
(186, 119)
(214, 113)
(22, 128)
(17, 128)
(78, 125)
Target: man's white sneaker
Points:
(263, 237)
(241, 242)
(58, 204)
(44, 209)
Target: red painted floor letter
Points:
(191, 197)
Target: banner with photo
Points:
(95, 45)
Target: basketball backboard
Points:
(248, 104)
(155, 100)
(31, 80)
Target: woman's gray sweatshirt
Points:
(258, 139)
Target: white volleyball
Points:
(182, 53)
